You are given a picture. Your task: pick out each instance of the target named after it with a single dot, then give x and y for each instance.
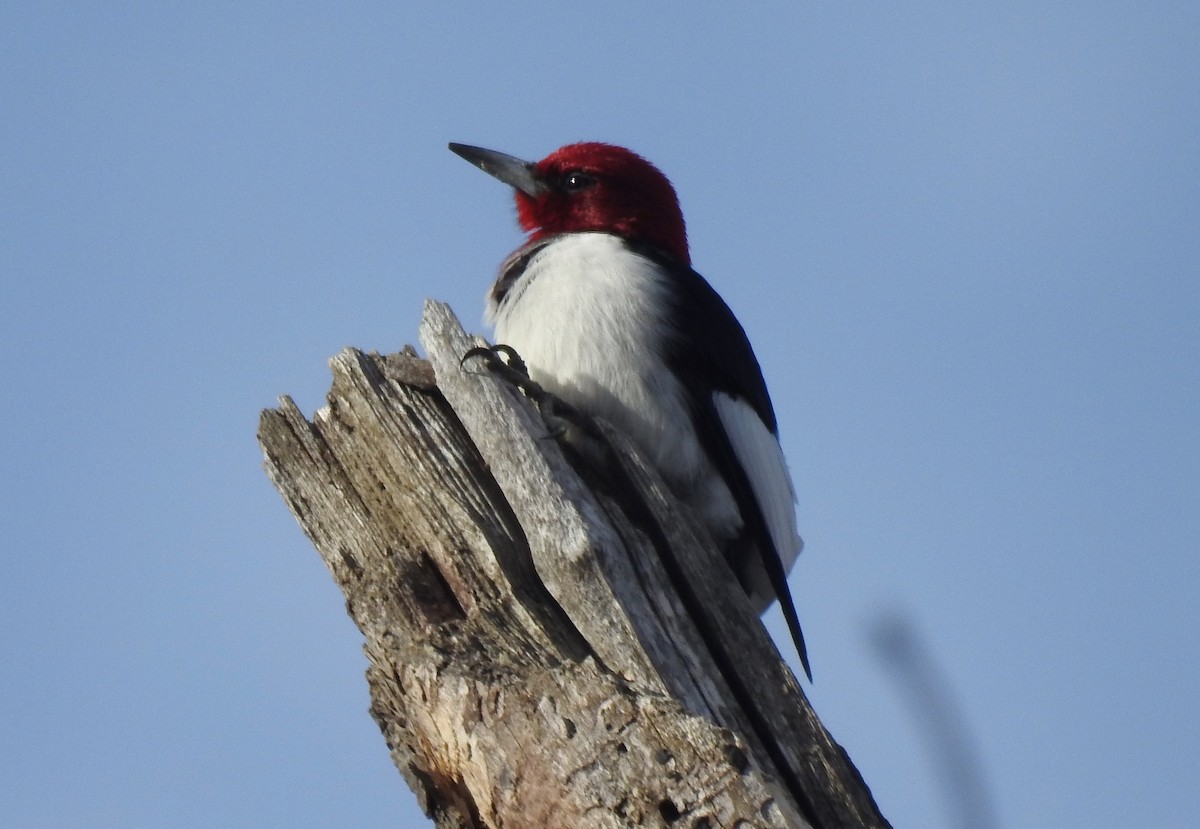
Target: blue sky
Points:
(964, 241)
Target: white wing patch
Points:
(761, 456)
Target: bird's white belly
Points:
(588, 318)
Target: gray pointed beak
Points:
(511, 170)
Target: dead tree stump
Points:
(547, 648)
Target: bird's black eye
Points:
(577, 180)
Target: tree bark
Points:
(551, 642)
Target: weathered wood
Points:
(547, 648)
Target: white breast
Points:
(588, 316)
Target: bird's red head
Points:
(590, 187)
(593, 186)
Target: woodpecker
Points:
(603, 306)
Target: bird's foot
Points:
(505, 361)
(562, 420)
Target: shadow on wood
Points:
(550, 645)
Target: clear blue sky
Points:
(965, 242)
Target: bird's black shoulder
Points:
(707, 347)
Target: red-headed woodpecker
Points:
(604, 308)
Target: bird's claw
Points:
(496, 356)
(506, 362)
(562, 420)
